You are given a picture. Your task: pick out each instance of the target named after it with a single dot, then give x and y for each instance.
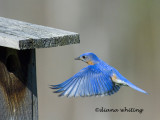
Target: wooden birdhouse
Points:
(18, 84)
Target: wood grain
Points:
(22, 35)
(18, 87)
(18, 91)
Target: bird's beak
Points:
(78, 58)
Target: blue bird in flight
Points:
(97, 79)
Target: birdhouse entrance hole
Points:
(11, 63)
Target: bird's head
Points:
(89, 58)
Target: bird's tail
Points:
(135, 87)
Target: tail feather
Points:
(135, 87)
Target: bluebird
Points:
(97, 79)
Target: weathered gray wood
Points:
(21, 35)
(33, 84)
(18, 88)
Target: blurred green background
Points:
(124, 33)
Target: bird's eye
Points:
(83, 57)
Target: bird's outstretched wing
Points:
(90, 81)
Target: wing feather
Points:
(98, 87)
(67, 88)
(90, 81)
(75, 94)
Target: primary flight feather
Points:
(98, 78)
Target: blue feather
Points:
(76, 88)
(135, 87)
(93, 80)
